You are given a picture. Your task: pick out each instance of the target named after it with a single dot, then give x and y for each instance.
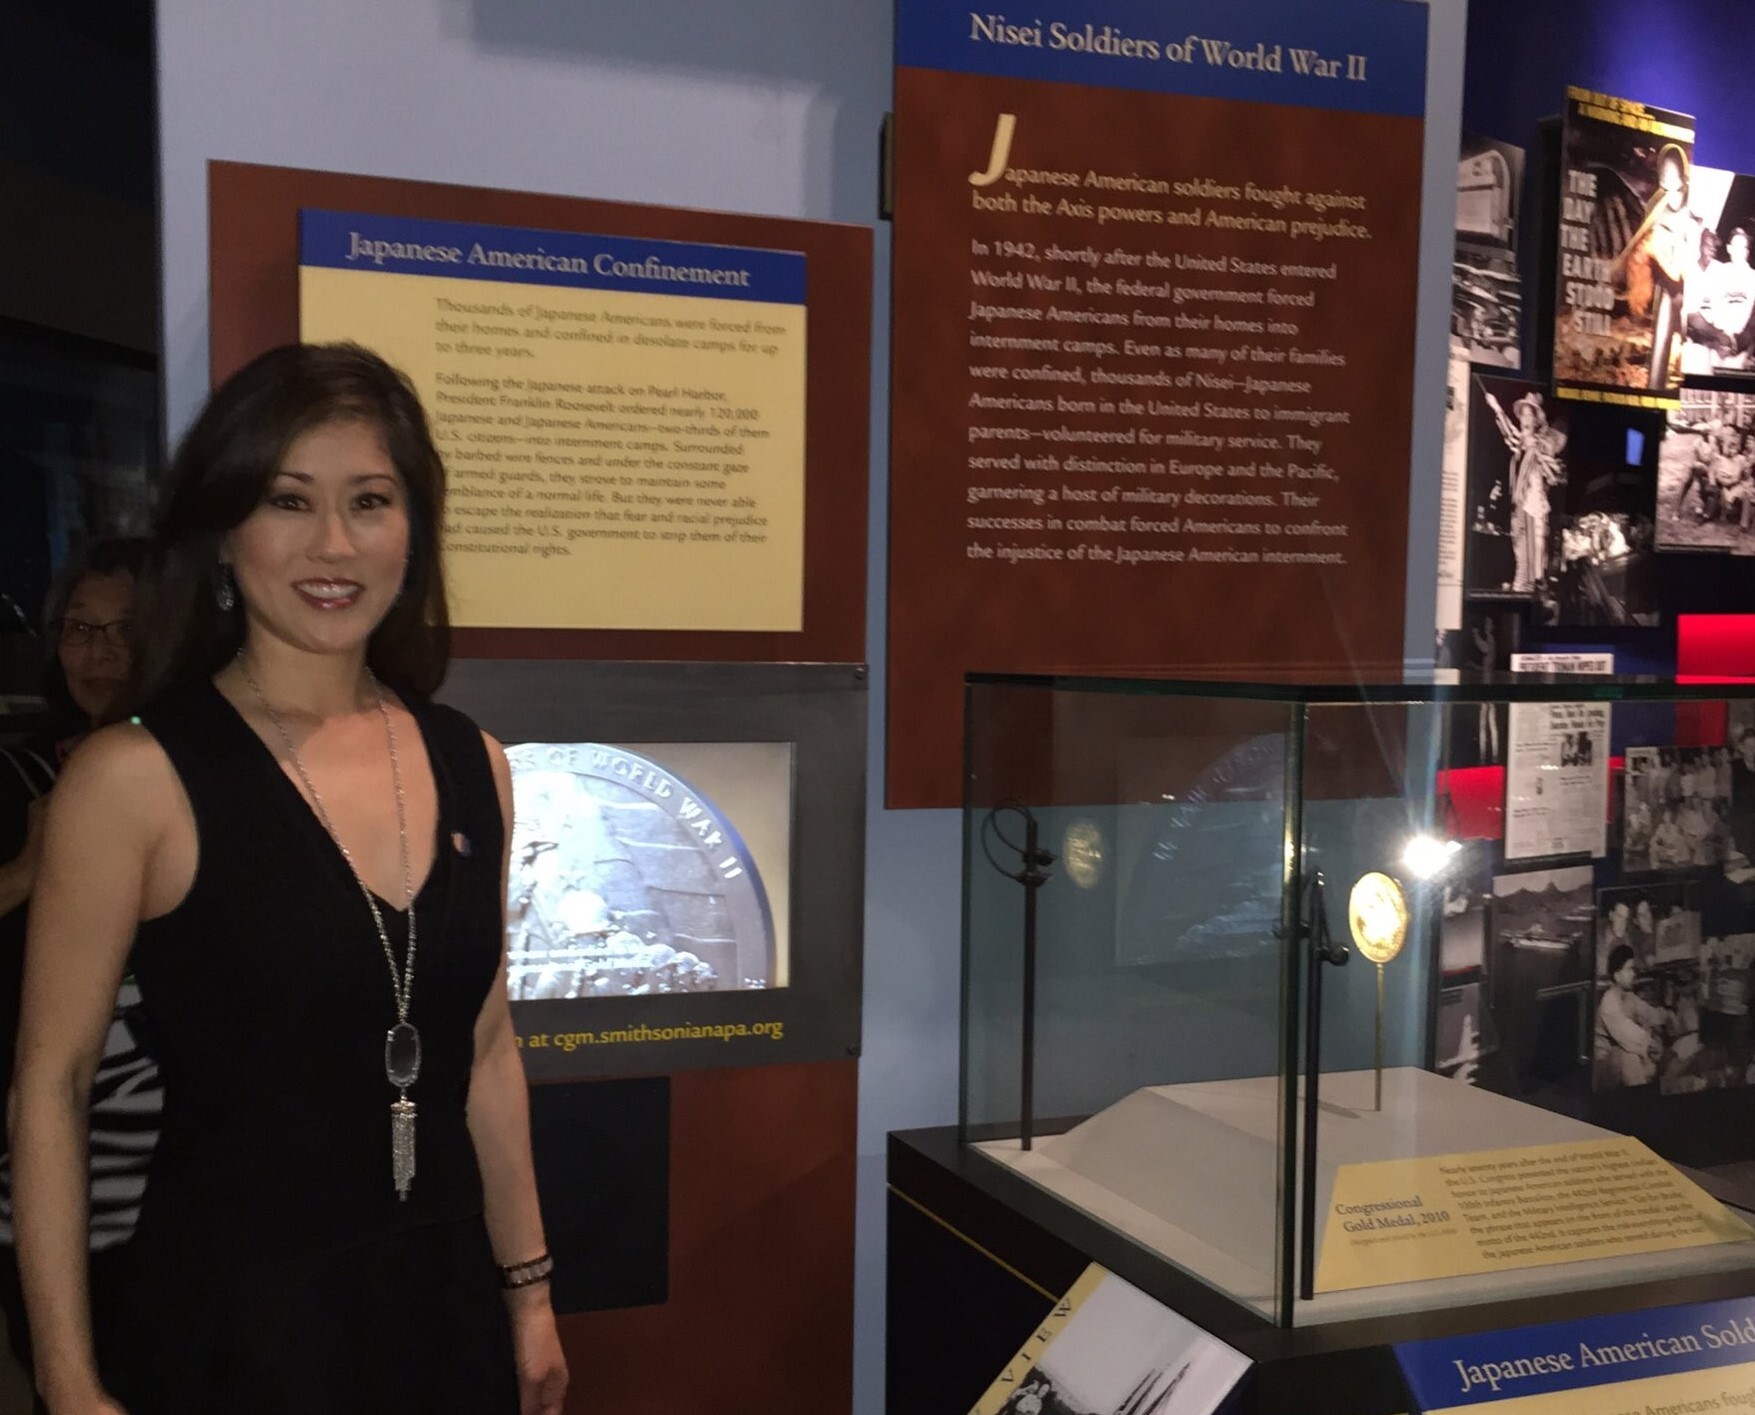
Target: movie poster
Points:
(1486, 291)
(1517, 474)
(1706, 474)
(1630, 240)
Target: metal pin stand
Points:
(1377, 1103)
(1323, 951)
(1032, 873)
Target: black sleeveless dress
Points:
(274, 1270)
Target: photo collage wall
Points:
(1624, 964)
(1615, 428)
(1599, 948)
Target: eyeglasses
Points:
(76, 633)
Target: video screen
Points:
(645, 868)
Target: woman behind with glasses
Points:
(87, 619)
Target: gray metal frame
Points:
(821, 710)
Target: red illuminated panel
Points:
(1715, 648)
(1477, 801)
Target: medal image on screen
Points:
(648, 868)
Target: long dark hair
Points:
(219, 477)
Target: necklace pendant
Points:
(402, 1055)
(402, 1145)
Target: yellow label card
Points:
(622, 422)
(1442, 1216)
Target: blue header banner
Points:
(1509, 1365)
(401, 245)
(1356, 56)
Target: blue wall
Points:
(1693, 56)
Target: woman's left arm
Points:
(499, 1124)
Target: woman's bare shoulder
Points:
(121, 769)
(502, 769)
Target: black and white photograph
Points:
(1462, 947)
(1676, 814)
(1119, 1352)
(1706, 474)
(1543, 925)
(1658, 921)
(1669, 1020)
(1483, 647)
(1480, 651)
(1740, 848)
(1726, 1055)
(1487, 309)
(1602, 573)
(645, 869)
(1487, 292)
(1718, 322)
(1460, 1035)
(1517, 470)
(1640, 1020)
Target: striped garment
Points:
(126, 1099)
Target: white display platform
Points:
(1193, 1171)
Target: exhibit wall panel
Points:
(256, 279)
(680, 801)
(1045, 468)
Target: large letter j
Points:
(1002, 149)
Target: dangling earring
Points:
(225, 590)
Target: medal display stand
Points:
(1298, 1154)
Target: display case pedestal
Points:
(977, 1254)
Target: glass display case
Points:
(1354, 999)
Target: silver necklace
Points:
(402, 1042)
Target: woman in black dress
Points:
(306, 857)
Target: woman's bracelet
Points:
(516, 1275)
